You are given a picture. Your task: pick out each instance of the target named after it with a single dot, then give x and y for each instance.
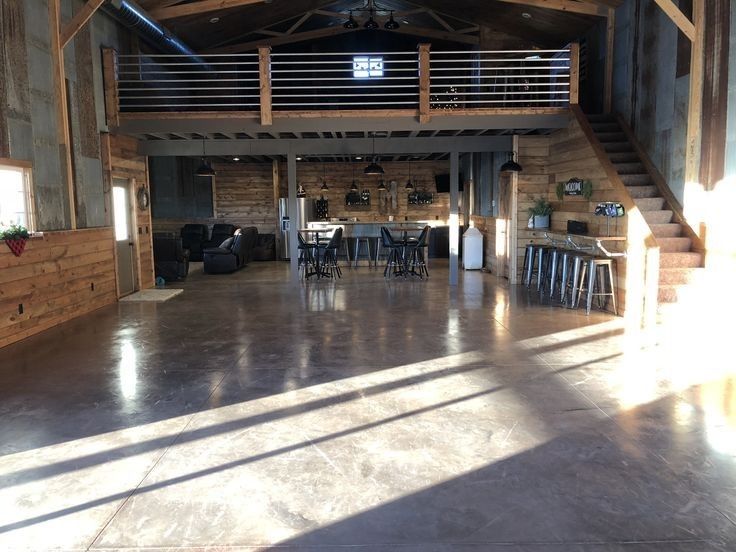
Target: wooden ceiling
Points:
(238, 25)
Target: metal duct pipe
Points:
(133, 17)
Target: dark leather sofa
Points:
(220, 232)
(194, 237)
(232, 257)
(170, 259)
(265, 249)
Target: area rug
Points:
(155, 295)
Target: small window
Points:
(367, 67)
(16, 203)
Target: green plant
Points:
(14, 232)
(541, 208)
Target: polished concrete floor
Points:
(248, 414)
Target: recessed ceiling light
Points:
(526, 15)
(236, 158)
(214, 19)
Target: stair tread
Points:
(666, 229)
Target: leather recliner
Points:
(170, 259)
(231, 256)
(220, 232)
(193, 237)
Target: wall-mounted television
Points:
(442, 182)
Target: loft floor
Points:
(363, 415)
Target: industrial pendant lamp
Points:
(409, 184)
(511, 165)
(351, 23)
(371, 23)
(324, 187)
(204, 169)
(382, 185)
(373, 168)
(391, 24)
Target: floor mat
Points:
(155, 295)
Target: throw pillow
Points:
(228, 243)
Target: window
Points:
(16, 204)
(365, 67)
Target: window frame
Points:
(27, 168)
(368, 59)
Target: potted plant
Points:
(15, 236)
(539, 214)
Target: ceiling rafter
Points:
(570, 6)
(198, 8)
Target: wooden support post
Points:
(293, 219)
(574, 72)
(608, 84)
(264, 71)
(695, 102)
(62, 108)
(78, 21)
(454, 216)
(276, 174)
(110, 80)
(106, 158)
(424, 69)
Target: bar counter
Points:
(372, 229)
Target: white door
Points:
(122, 213)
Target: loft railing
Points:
(427, 82)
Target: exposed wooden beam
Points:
(574, 73)
(78, 21)
(62, 107)
(198, 8)
(563, 5)
(439, 35)
(441, 21)
(679, 18)
(608, 75)
(264, 70)
(299, 22)
(275, 41)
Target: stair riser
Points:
(604, 137)
(680, 260)
(658, 217)
(637, 192)
(623, 157)
(674, 245)
(681, 276)
(629, 168)
(605, 127)
(618, 147)
(650, 204)
(601, 118)
(666, 230)
(636, 179)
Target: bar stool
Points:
(535, 257)
(367, 242)
(564, 265)
(552, 269)
(597, 270)
(572, 282)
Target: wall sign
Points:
(574, 187)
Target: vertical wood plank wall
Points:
(58, 277)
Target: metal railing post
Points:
(264, 75)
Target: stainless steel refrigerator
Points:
(304, 215)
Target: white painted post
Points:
(293, 219)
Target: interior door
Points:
(122, 213)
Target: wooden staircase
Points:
(681, 252)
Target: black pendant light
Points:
(381, 185)
(511, 165)
(324, 187)
(373, 168)
(204, 169)
(371, 23)
(391, 24)
(353, 186)
(351, 23)
(409, 183)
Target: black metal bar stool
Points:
(367, 242)
(600, 283)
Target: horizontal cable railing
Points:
(507, 78)
(345, 81)
(339, 80)
(168, 82)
